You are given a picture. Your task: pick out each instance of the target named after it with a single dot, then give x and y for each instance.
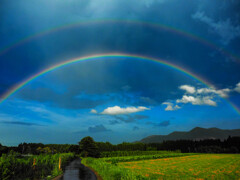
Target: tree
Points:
(89, 147)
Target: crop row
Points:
(115, 160)
(132, 153)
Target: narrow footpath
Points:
(77, 171)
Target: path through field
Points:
(77, 171)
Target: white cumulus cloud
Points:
(188, 89)
(201, 96)
(237, 88)
(170, 106)
(207, 100)
(116, 110)
(221, 92)
(93, 111)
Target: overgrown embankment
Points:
(16, 166)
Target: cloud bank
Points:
(200, 96)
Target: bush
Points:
(89, 147)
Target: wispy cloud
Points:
(129, 118)
(13, 120)
(98, 128)
(20, 123)
(161, 124)
(113, 122)
(135, 128)
(164, 123)
(224, 28)
(43, 112)
(117, 110)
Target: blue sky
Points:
(117, 99)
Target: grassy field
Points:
(167, 166)
(205, 166)
(111, 169)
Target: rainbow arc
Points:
(118, 56)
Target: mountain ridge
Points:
(197, 133)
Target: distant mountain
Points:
(195, 134)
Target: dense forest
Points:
(230, 145)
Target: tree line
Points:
(88, 147)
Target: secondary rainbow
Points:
(19, 86)
(119, 21)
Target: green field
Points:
(168, 166)
(216, 166)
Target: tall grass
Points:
(110, 171)
(14, 166)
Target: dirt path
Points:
(77, 171)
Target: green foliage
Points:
(15, 166)
(89, 147)
(151, 148)
(45, 150)
(132, 153)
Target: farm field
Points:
(111, 168)
(205, 166)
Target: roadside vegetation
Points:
(16, 166)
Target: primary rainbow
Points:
(19, 86)
(107, 21)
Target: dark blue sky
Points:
(117, 99)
